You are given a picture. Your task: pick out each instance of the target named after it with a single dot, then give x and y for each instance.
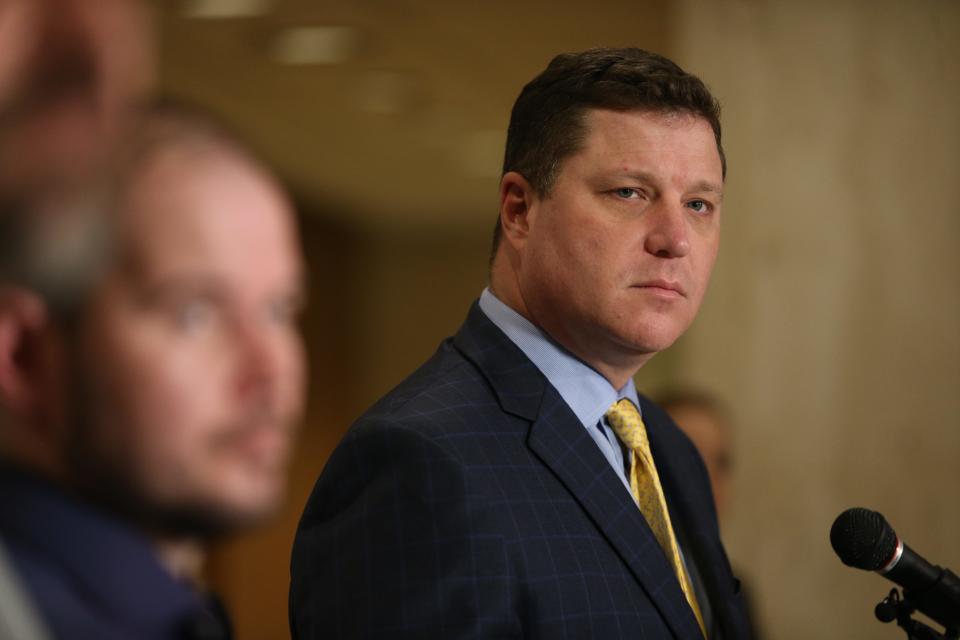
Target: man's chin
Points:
(216, 505)
(651, 337)
(207, 518)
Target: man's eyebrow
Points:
(164, 289)
(702, 186)
(641, 176)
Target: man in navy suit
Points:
(489, 495)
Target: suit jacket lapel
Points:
(560, 441)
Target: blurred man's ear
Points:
(23, 323)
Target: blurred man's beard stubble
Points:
(103, 473)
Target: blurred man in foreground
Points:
(516, 485)
(69, 73)
(151, 375)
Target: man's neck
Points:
(616, 370)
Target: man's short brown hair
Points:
(547, 123)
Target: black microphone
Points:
(865, 540)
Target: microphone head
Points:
(863, 539)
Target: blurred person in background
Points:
(708, 424)
(706, 421)
(69, 72)
(151, 375)
(517, 485)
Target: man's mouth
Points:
(267, 442)
(666, 288)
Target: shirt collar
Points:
(586, 392)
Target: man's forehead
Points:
(214, 207)
(615, 140)
(601, 121)
(183, 182)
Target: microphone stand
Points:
(893, 607)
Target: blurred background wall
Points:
(833, 325)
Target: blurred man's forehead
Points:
(187, 207)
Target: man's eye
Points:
(699, 206)
(627, 193)
(191, 316)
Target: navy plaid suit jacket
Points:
(470, 502)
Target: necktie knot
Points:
(624, 417)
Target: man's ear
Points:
(517, 198)
(23, 322)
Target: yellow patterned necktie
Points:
(645, 485)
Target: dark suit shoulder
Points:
(446, 399)
(394, 527)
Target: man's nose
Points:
(667, 234)
(256, 359)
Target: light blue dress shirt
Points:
(586, 392)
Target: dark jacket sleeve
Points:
(394, 543)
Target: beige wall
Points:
(416, 290)
(833, 325)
